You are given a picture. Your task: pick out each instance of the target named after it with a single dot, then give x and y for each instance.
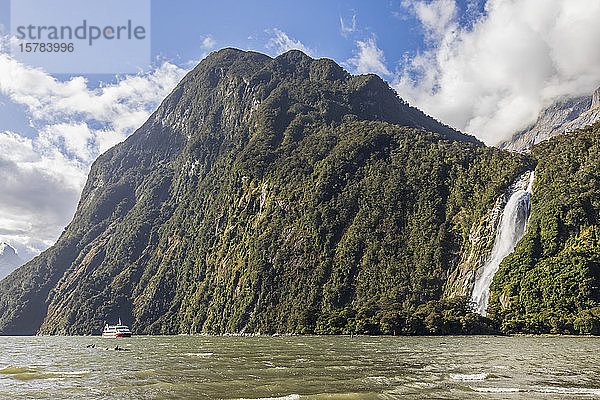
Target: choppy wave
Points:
(568, 390)
(145, 373)
(75, 373)
(27, 376)
(288, 397)
(497, 389)
(12, 370)
(469, 377)
(199, 354)
(185, 367)
(381, 380)
(324, 396)
(540, 389)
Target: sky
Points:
(486, 68)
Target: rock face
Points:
(9, 260)
(263, 195)
(564, 116)
(550, 282)
(480, 244)
(596, 99)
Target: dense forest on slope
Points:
(268, 195)
(337, 233)
(550, 284)
(286, 195)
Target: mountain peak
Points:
(319, 87)
(7, 250)
(295, 55)
(565, 115)
(9, 259)
(245, 144)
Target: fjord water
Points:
(203, 367)
(510, 230)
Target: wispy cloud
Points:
(493, 76)
(42, 177)
(280, 42)
(64, 106)
(368, 58)
(208, 42)
(348, 28)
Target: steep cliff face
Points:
(551, 282)
(476, 251)
(265, 195)
(483, 237)
(595, 99)
(564, 116)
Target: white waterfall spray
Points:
(510, 230)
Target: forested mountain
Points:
(551, 282)
(281, 195)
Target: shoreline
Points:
(287, 335)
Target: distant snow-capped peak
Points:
(5, 249)
(8, 254)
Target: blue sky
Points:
(486, 67)
(180, 26)
(316, 24)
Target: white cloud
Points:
(495, 75)
(208, 42)
(347, 29)
(437, 17)
(368, 59)
(124, 105)
(280, 42)
(40, 188)
(74, 139)
(42, 177)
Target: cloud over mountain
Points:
(42, 176)
(493, 75)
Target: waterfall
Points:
(511, 229)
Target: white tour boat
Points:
(118, 330)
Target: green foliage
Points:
(269, 195)
(436, 317)
(550, 282)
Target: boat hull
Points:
(116, 335)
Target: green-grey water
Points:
(203, 367)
